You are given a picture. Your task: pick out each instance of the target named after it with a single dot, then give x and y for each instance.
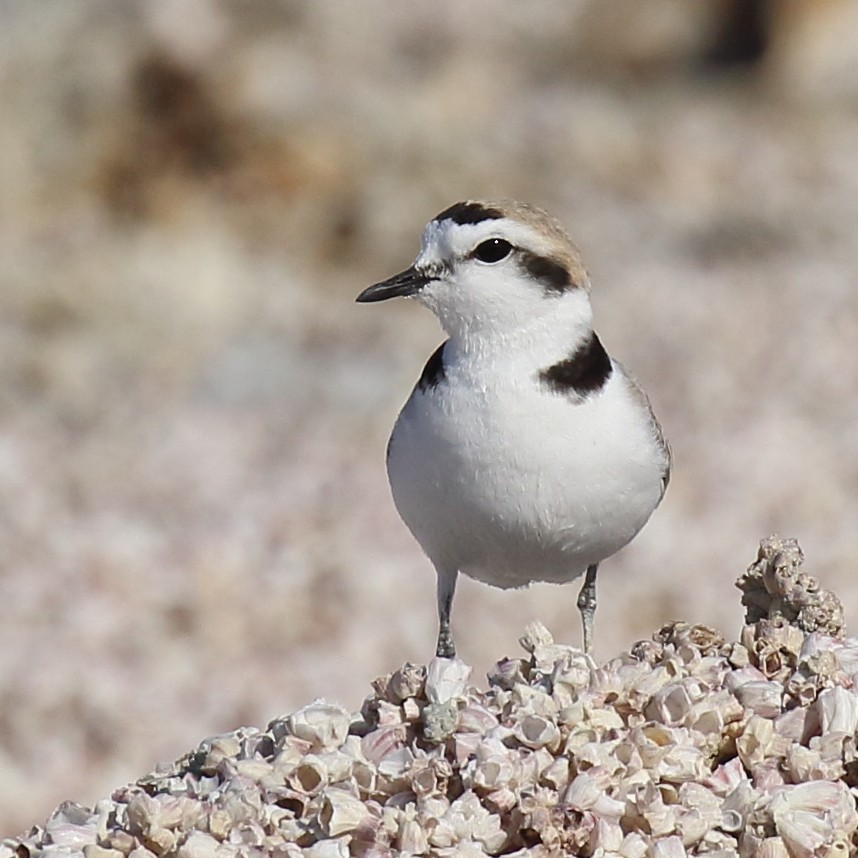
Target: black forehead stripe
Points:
(584, 372)
(554, 276)
(466, 213)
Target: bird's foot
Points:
(445, 648)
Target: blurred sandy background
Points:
(195, 529)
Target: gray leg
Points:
(446, 588)
(587, 605)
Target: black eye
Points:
(492, 250)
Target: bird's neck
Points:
(542, 341)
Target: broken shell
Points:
(634, 845)
(396, 764)
(323, 725)
(446, 679)
(534, 731)
(198, 845)
(588, 791)
(411, 710)
(756, 740)
(495, 768)
(412, 834)
(465, 746)
(838, 710)
(326, 849)
(476, 719)
(669, 705)
(408, 681)
(379, 743)
(763, 698)
(772, 847)
(681, 763)
(309, 775)
(556, 775)
(535, 635)
(508, 672)
(667, 847)
(830, 801)
(845, 654)
(388, 714)
(341, 812)
(557, 756)
(466, 819)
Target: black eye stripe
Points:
(492, 250)
(554, 277)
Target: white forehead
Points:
(446, 240)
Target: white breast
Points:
(511, 483)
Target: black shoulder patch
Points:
(469, 212)
(553, 276)
(583, 373)
(433, 373)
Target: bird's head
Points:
(490, 270)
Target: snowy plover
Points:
(524, 453)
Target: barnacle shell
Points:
(412, 834)
(381, 742)
(309, 776)
(536, 731)
(535, 636)
(341, 812)
(772, 847)
(667, 847)
(198, 845)
(814, 818)
(476, 718)
(588, 791)
(446, 679)
(688, 745)
(762, 698)
(756, 740)
(775, 587)
(838, 710)
(407, 682)
(323, 725)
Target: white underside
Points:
(510, 483)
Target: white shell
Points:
(838, 710)
(667, 847)
(535, 731)
(828, 801)
(198, 845)
(341, 812)
(588, 791)
(324, 725)
(446, 679)
(772, 847)
(764, 698)
(689, 744)
(407, 682)
(756, 740)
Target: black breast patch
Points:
(582, 373)
(433, 373)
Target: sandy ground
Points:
(195, 525)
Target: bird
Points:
(525, 452)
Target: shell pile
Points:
(686, 745)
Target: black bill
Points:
(402, 285)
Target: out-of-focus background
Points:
(195, 527)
